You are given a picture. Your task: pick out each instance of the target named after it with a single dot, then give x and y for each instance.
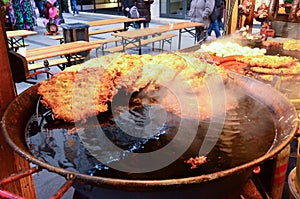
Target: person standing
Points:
(64, 6)
(126, 5)
(214, 20)
(75, 9)
(200, 11)
(143, 7)
(40, 5)
(24, 15)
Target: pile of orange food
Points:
(85, 90)
(254, 62)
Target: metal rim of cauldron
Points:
(143, 185)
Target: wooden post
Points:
(10, 162)
(231, 15)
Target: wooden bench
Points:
(45, 65)
(16, 47)
(59, 62)
(161, 38)
(94, 32)
(20, 68)
(103, 43)
(58, 37)
(103, 31)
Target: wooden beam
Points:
(234, 17)
(231, 16)
(10, 162)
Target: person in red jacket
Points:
(143, 7)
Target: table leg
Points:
(190, 31)
(69, 60)
(124, 43)
(196, 35)
(88, 56)
(11, 43)
(140, 46)
(153, 46)
(179, 39)
(23, 42)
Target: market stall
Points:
(47, 132)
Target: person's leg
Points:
(76, 9)
(127, 24)
(215, 27)
(210, 28)
(127, 14)
(200, 34)
(134, 25)
(221, 24)
(65, 6)
(73, 7)
(137, 25)
(203, 34)
(146, 24)
(40, 8)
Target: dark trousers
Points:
(214, 26)
(127, 14)
(40, 6)
(221, 24)
(138, 25)
(201, 33)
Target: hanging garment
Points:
(24, 15)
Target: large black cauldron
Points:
(212, 185)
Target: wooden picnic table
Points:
(15, 38)
(183, 27)
(66, 49)
(135, 36)
(113, 21)
(104, 22)
(140, 32)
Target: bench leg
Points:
(170, 42)
(97, 52)
(87, 57)
(102, 49)
(62, 67)
(35, 76)
(46, 70)
(162, 44)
